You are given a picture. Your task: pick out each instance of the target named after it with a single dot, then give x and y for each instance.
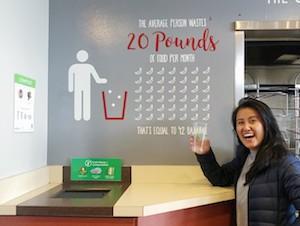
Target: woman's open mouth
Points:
(248, 136)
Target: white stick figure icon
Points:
(80, 83)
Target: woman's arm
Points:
(221, 175)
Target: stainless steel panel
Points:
(284, 30)
(267, 25)
(239, 67)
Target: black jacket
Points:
(274, 194)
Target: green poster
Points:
(96, 169)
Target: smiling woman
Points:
(265, 174)
(250, 129)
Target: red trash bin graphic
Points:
(106, 115)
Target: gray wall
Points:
(24, 50)
(102, 28)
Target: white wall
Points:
(24, 36)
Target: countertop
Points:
(160, 189)
(153, 190)
(149, 199)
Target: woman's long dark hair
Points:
(273, 146)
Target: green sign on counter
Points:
(96, 169)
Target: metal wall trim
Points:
(239, 66)
(267, 25)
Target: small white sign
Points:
(24, 104)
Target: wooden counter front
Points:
(209, 215)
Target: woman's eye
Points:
(240, 123)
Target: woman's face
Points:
(249, 128)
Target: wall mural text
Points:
(172, 88)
